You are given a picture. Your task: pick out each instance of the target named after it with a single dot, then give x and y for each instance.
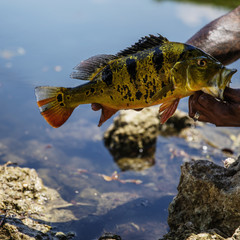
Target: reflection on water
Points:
(41, 49)
(132, 137)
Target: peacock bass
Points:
(150, 72)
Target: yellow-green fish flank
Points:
(151, 72)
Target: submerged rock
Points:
(27, 207)
(132, 137)
(176, 124)
(207, 204)
(109, 236)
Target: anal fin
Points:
(167, 109)
(107, 112)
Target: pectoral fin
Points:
(167, 109)
(162, 93)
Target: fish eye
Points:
(201, 62)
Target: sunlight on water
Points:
(41, 42)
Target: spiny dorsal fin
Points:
(144, 43)
(87, 69)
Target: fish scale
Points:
(152, 71)
(141, 72)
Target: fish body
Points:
(153, 71)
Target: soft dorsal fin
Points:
(144, 43)
(87, 69)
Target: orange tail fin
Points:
(51, 103)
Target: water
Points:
(40, 44)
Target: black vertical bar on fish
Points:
(158, 59)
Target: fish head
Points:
(203, 72)
(219, 81)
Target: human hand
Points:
(218, 112)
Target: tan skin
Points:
(221, 39)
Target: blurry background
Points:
(40, 43)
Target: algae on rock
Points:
(28, 207)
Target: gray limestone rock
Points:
(27, 207)
(207, 205)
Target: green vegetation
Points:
(223, 3)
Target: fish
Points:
(153, 71)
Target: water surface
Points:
(40, 44)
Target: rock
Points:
(133, 135)
(131, 139)
(112, 200)
(135, 164)
(109, 236)
(176, 124)
(28, 207)
(207, 204)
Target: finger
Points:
(208, 107)
(214, 111)
(191, 109)
(211, 107)
(232, 95)
(203, 118)
(193, 104)
(96, 106)
(207, 101)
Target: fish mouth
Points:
(220, 81)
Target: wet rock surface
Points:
(27, 207)
(133, 134)
(30, 211)
(207, 205)
(208, 202)
(131, 139)
(109, 236)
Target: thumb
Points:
(193, 103)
